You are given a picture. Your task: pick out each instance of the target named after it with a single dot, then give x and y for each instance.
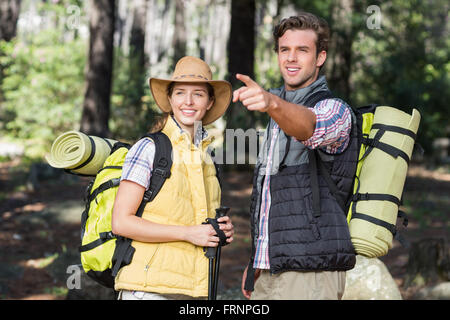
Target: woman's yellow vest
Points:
(188, 197)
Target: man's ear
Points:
(321, 57)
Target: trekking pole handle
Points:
(222, 211)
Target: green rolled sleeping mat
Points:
(381, 172)
(79, 153)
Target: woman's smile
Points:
(188, 112)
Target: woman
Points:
(169, 261)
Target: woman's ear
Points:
(211, 103)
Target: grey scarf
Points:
(298, 96)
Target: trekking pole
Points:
(211, 279)
(213, 254)
(220, 212)
(210, 254)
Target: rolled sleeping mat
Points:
(79, 153)
(373, 213)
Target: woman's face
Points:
(189, 103)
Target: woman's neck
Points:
(188, 129)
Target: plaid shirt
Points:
(332, 133)
(138, 164)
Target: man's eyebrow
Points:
(298, 47)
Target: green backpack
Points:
(373, 207)
(102, 252)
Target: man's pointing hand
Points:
(252, 96)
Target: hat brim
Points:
(222, 96)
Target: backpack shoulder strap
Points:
(310, 102)
(317, 96)
(161, 164)
(316, 165)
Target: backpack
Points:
(102, 252)
(371, 215)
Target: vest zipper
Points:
(268, 233)
(147, 266)
(258, 209)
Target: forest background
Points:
(83, 65)
(71, 65)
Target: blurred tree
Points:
(9, 14)
(179, 35)
(137, 68)
(340, 48)
(96, 105)
(137, 39)
(241, 56)
(163, 14)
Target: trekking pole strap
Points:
(220, 233)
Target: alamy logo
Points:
(74, 279)
(239, 147)
(374, 20)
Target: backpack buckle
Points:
(106, 235)
(148, 195)
(364, 196)
(162, 172)
(361, 196)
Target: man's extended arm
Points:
(295, 120)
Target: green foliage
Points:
(42, 86)
(133, 109)
(406, 64)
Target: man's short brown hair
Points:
(304, 21)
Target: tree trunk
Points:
(9, 14)
(137, 40)
(241, 55)
(137, 71)
(179, 35)
(162, 36)
(137, 59)
(340, 52)
(95, 116)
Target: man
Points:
(301, 244)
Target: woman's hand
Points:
(227, 227)
(204, 235)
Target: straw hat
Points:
(194, 70)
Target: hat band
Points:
(191, 76)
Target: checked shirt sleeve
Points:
(333, 125)
(138, 163)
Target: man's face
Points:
(297, 59)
